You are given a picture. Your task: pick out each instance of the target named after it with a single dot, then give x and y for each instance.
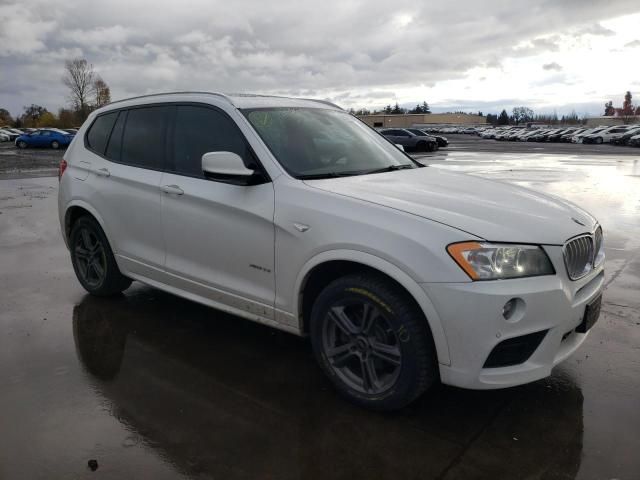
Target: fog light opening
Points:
(509, 309)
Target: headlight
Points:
(488, 261)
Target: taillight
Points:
(61, 168)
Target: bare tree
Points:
(79, 78)
(102, 92)
(32, 115)
(522, 115)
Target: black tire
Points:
(93, 260)
(599, 140)
(55, 145)
(22, 144)
(396, 345)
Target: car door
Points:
(126, 168)
(40, 138)
(219, 236)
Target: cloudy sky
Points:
(467, 54)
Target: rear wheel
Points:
(599, 140)
(93, 260)
(372, 342)
(55, 145)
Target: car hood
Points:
(488, 209)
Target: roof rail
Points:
(227, 97)
(325, 102)
(222, 95)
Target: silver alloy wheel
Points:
(361, 347)
(55, 145)
(22, 144)
(90, 258)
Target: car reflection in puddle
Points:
(220, 396)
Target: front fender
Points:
(392, 271)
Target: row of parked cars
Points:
(414, 139)
(616, 134)
(38, 137)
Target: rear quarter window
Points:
(115, 140)
(99, 132)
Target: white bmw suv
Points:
(295, 214)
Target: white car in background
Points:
(605, 136)
(10, 133)
(295, 214)
(634, 141)
(578, 137)
(632, 130)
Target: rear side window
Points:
(199, 130)
(143, 142)
(115, 141)
(99, 132)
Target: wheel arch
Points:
(327, 266)
(75, 210)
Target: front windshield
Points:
(316, 143)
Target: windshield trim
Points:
(246, 111)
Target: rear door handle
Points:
(172, 189)
(103, 172)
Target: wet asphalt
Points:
(153, 386)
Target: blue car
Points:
(45, 137)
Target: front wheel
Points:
(22, 144)
(55, 145)
(599, 140)
(93, 260)
(373, 342)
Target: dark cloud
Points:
(552, 66)
(366, 48)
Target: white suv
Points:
(295, 214)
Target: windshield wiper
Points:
(314, 176)
(390, 168)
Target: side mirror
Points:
(225, 166)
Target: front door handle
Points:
(172, 189)
(103, 172)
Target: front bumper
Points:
(471, 314)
